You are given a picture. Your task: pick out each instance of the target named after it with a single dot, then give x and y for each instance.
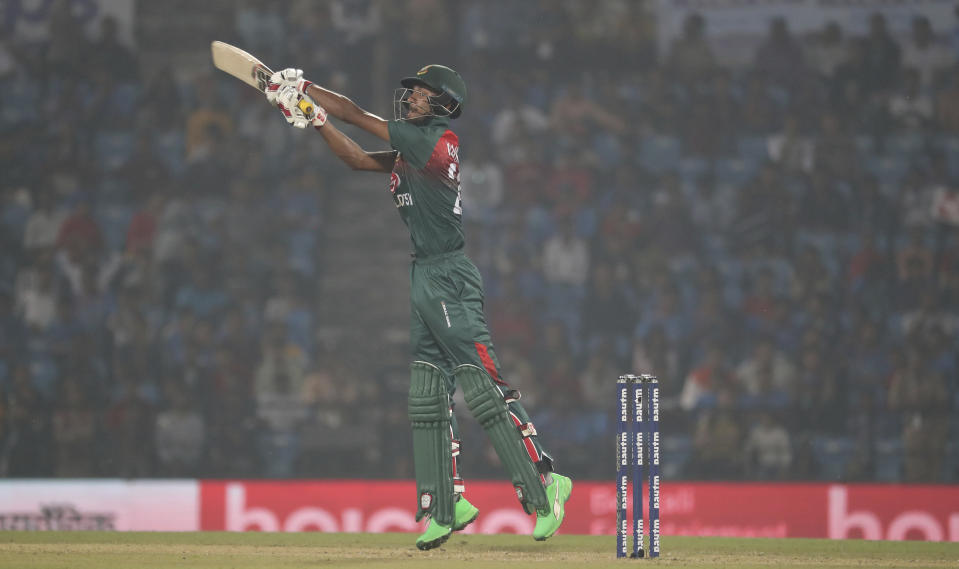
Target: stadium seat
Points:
(888, 460)
(889, 169)
(114, 220)
(19, 102)
(45, 372)
(906, 145)
(124, 100)
(753, 149)
(733, 172)
(865, 147)
(691, 169)
(677, 451)
(660, 153)
(950, 147)
(171, 149)
(832, 455)
(113, 148)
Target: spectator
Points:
(128, 424)
(43, 225)
(75, 431)
(718, 441)
(111, 56)
(283, 365)
(760, 115)
(203, 295)
(511, 318)
(667, 313)
(180, 432)
(595, 380)
(828, 50)
(873, 212)
(790, 149)
(37, 294)
(655, 354)
(947, 105)
(835, 154)
(607, 315)
(481, 181)
(27, 450)
(757, 306)
(883, 55)
(80, 235)
(566, 261)
(867, 264)
(207, 123)
(779, 57)
(516, 120)
(262, 28)
(921, 396)
(925, 53)
(690, 57)
(705, 380)
(915, 257)
(823, 207)
(573, 115)
(762, 208)
(767, 375)
(768, 449)
(67, 43)
(911, 109)
(711, 320)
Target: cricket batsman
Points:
(450, 341)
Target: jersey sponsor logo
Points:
(446, 314)
(426, 501)
(403, 200)
(394, 182)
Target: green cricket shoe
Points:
(435, 535)
(466, 514)
(557, 492)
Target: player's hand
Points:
(300, 110)
(279, 80)
(284, 78)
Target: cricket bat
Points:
(250, 70)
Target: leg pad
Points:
(488, 405)
(429, 413)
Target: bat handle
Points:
(307, 108)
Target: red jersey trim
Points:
(446, 151)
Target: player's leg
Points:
(453, 310)
(435, 442)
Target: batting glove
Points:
(288, 77)
(299, 110)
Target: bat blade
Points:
(240, 64)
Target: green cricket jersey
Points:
(425, 184)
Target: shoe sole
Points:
(423, 546)
(566, 494)
(462, 526)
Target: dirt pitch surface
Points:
(95, 550)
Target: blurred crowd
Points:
(765, 239)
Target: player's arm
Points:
(301, 111)
(347, 111)
(352, 154)
(335, 104)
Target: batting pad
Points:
(487, 404)
(429, 413)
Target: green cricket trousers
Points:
(448, 328)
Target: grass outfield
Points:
(96, 550)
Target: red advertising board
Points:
(756, 510)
